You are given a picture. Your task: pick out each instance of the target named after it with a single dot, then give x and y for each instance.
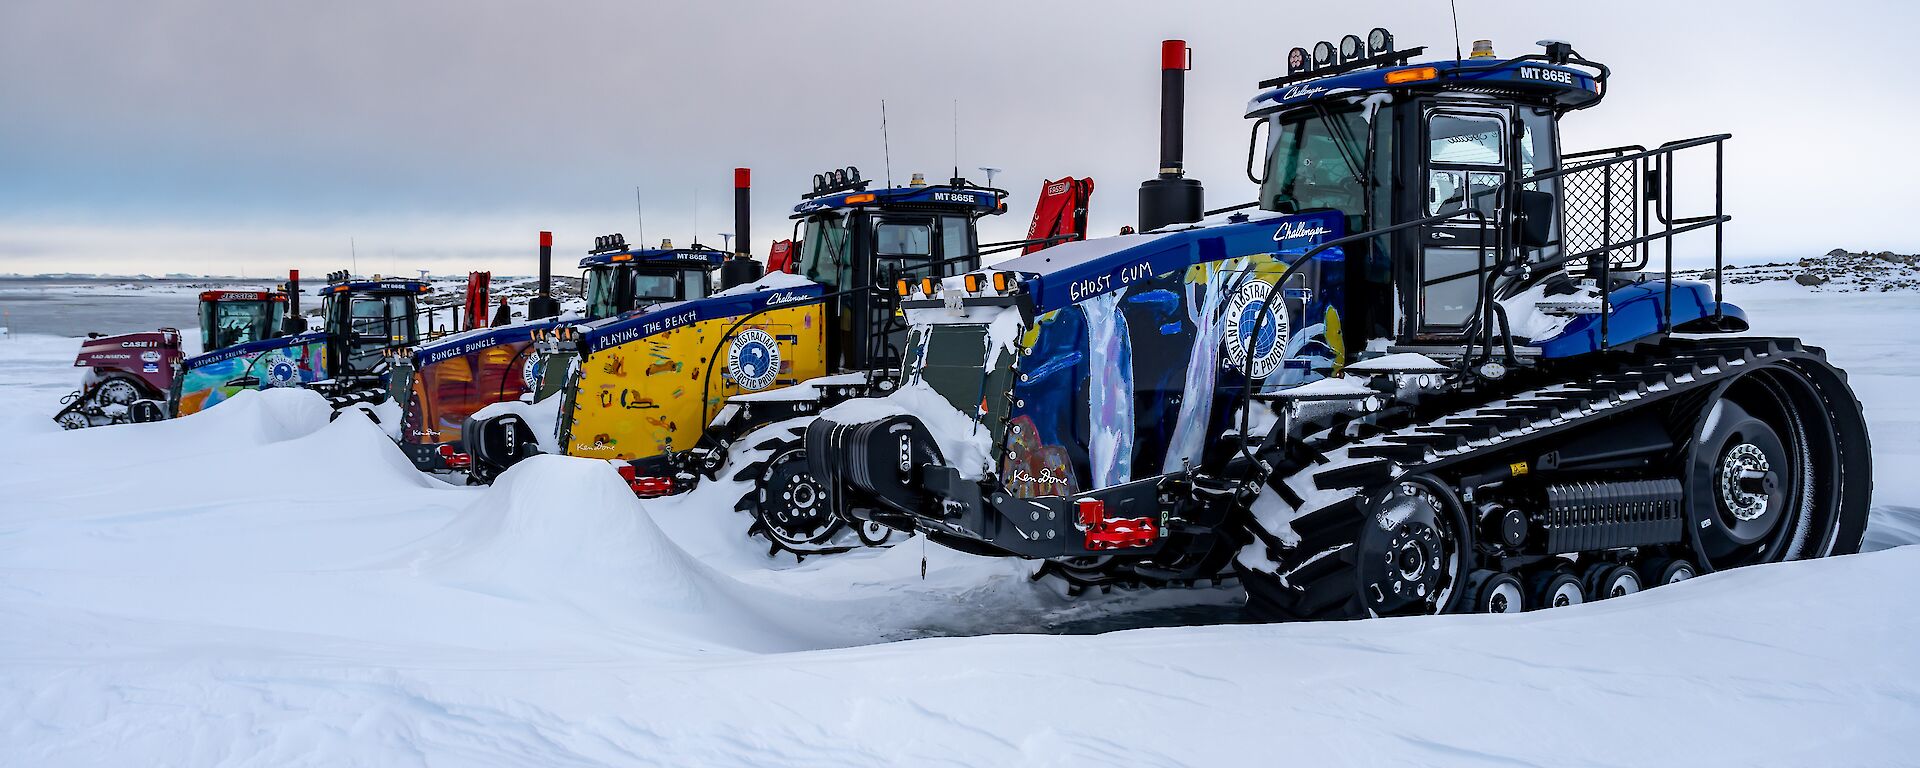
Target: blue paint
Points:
(250, 348)
(466, 343)
(1060, 279)
(1564, 85)
(1638, 314)
(647, 322)
(959, 198)
(702, 257)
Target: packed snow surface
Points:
(259, 585)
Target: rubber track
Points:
(1316, 579)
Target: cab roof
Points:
(963, 197)
(227, 295)
(394, 285)
(705, 257)
(1526, 77)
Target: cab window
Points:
(825, 250)
(903, 239)
(1456, 139)
(956, 245)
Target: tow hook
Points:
(1103, 533)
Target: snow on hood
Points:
(1527, 321)
(771, 281)
(965, 445)
(542, 416)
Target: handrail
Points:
(1494, 286)
(1663, 149)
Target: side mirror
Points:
(293, 326)
(1535, 225)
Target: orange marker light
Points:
(926, 286)
(1415, 75)
(973, 283)
(903, 287)
(860, 198)
(1000, 282)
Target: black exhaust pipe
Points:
(293, 323)
(1172, 198)
(544, 305)
(740, 268)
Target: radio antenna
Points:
(639, 218)
(886, 149)
(956, 139)
(1455, 8)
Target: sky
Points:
(253, 136)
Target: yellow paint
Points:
(643, 398)
(1336, 341)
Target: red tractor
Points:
(129, 375)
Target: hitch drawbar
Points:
(1104, 533)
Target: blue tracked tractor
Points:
(1439, 366)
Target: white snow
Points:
(1399, 362)
(256, 585)
(1527, 319)
(542, 415)
(965, 444)
(767, 282)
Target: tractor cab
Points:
(620, 279)
(1452, 166)
(232, 318)
(870, 247)
(364, 320)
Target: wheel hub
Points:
(792, 508)
(1407, 568)
(1745, 482)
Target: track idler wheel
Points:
(1494, 592)
(1663, 571)
(1608, 580)
(1557, 589)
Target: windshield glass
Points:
(824, 252)
(602, 298)
(1314, 161)
(650, 287)
(228, 323)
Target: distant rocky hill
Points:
(1838, 270)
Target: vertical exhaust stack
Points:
(293, 323)
(740, 268)
(1172, 198)
(544, 305)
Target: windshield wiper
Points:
(1342, 140)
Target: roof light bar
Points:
(1350, 49)
(1323, 55)
(1379, 42)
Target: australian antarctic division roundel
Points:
(281, 370)
(1243, 315)
(753, 359)
(530, 371)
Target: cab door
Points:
(1465, 153)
